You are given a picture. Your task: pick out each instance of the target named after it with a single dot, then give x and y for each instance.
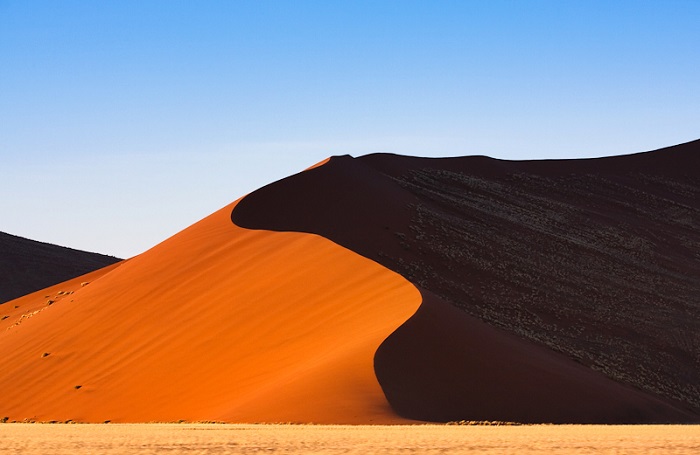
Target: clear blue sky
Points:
(123, 122)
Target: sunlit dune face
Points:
(216, 323)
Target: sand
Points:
(316, 439)
(215, 323)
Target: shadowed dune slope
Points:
(27, 265)
(444, 365)
(216, 323)
(577, 280)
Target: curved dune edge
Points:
(216, 323)
(443, 365)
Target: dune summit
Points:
(388, 289)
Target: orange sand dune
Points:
(215, 323)
(553, 291)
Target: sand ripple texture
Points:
(47, 439)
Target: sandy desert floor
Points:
(48, 439)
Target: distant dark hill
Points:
(578, 281)
(27, 265)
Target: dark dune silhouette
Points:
(577, 280)
(27, 265)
